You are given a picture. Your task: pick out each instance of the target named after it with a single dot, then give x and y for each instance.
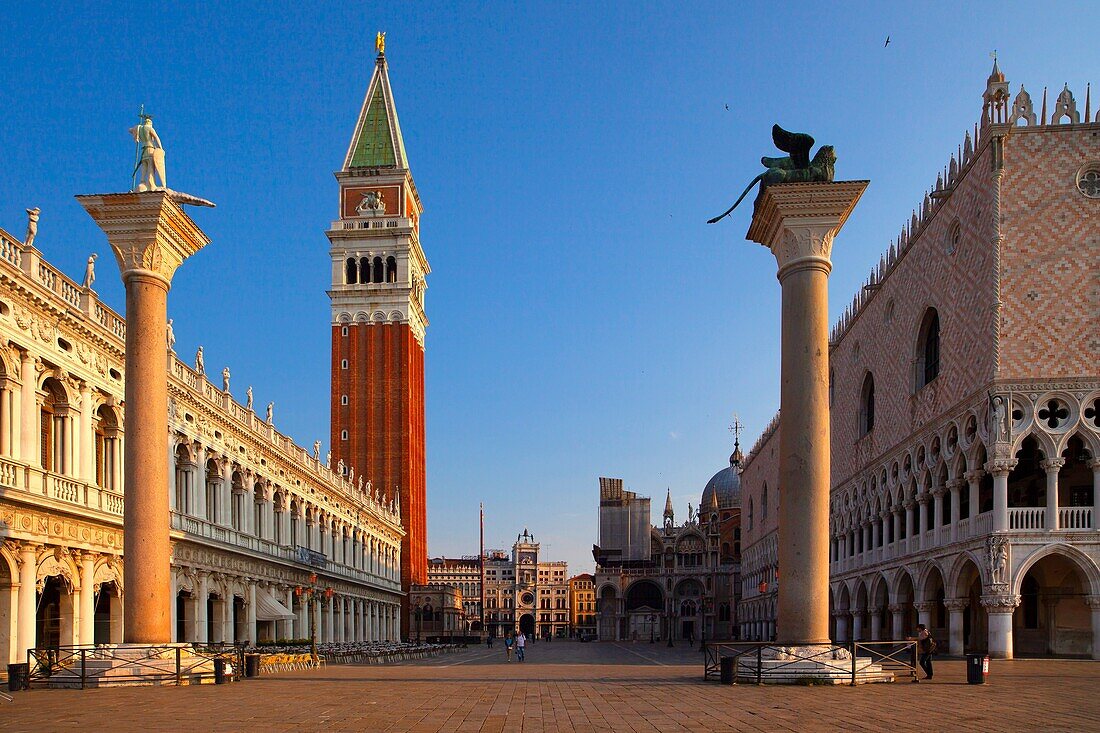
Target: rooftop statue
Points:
(150, 156)
(794, 168)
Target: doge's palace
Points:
(252, 514)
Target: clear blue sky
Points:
(584, 319)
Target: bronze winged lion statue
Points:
(793, 168)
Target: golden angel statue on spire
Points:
(380, 42)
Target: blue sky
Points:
(584, 319)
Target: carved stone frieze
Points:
(44, 527)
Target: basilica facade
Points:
(965, 408)
(253, 516)
(676, 581)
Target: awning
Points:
(268, 608)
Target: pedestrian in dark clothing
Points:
(926, 647)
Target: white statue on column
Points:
(171, 336)
(32, 226)
(317, 450)
(200, 364)
(1000, 419)
(89, 272)
(150, 156)
(225, 380)
(248, 396)
(270, 412)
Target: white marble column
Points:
(937, 513)
(86, 633)
(974, 480)
(857, 625)
(897, 621)
(199, 482)
(289, 626)
(29, 398)
(1052, 466)
(876, 624)
(842, 626)
(1000, 609)
(202, 623)
(229, 626)
(924, 612)
(1094, 464)
(1093, 602)
(955, 486)
(956, 607)
(85, 442)
(1000, 470)
(251, 632)
(28, 601)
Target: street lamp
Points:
(309, 593)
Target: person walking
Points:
(508, 642)
(489, 640)
(926, 647)
(521, 646)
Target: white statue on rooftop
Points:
(248, 396)
(225, 379)
(200, 364)
(317, 450)
(150, 156)
(171, 336)
(89, 272)
(32, 226)
(270, 412)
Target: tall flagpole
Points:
(481, 563)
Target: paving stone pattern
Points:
(568, 686)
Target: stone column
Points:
(1052, 466)
(202, 623)
(1093, 602)
(841, 626)
(1094, 464)
(1000, 469)
(857, 625)
(897, 621)
(876, 623)
(954, 486)
(937, 513)
(924, 612)
(85, 443)
(251, 612)
(150, 236)
(288, 627)
(28, 601)
(909, 528)
(956, 607)
(29, 449)
(922, 516)
(974, 479)
(797, 222)
(86, 632)
(1000, 609)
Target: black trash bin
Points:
(19, 676)
(219, 671)
(977, 667)
(251, 665)
(726, 670)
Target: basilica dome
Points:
(726, 484)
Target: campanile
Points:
(378, 320)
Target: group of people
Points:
(517, 643)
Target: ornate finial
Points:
(380, 43)
(736, 457)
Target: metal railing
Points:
(86, 664)
(849, 659)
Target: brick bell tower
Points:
(378, 320)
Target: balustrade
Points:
(1075, 517)
(1026, 517)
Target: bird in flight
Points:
(887, 42)
(727, 108)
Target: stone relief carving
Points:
(997, 554)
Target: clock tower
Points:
(378, 319)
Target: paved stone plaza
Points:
(568, 686)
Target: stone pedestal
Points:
(150, 236)
(797, 222)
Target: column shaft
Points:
(147, 612)
(86, 634)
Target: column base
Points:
(816, 664)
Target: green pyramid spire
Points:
(377, 141)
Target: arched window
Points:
(391, 270)
(107, 461)
(364, 270)
(867, 405)
(928, 349)
(351, 276)
(377, 270)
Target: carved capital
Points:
(1093, 602)
(909, 505)
(896, 607)
(974, 476)
(956, 604)
(1052, 465)
(925, 606)
(955, 484)
(1002, 603)
(797, 221)
(149, 232)
(924, 498)
(1094, 464)
(1001, 467)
